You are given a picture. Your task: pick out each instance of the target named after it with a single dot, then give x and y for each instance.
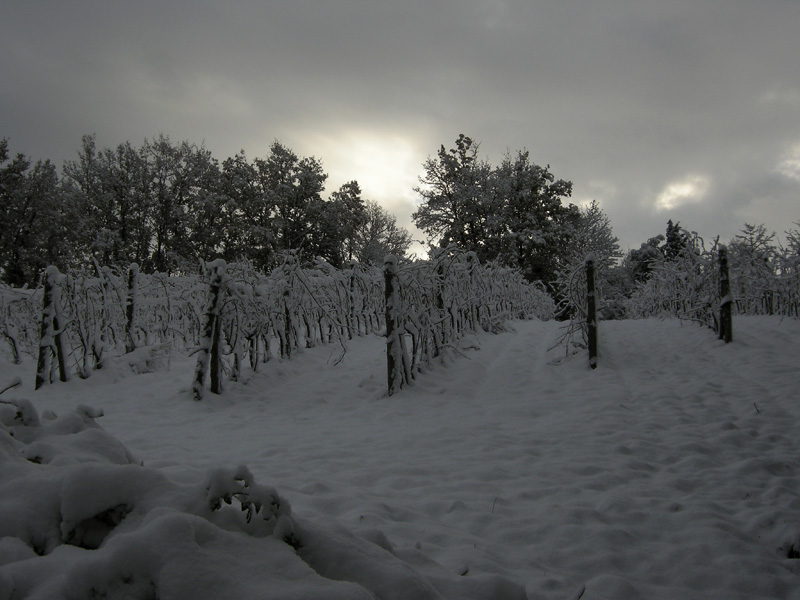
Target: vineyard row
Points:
(232, 316)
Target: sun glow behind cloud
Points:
(386, 165)
(689, 190)
(790, 165)
(787, 96)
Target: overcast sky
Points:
(688, 110)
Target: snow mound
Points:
(80, 518)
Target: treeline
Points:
(518, 214)
(168, 206)
(165, 206)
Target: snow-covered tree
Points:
(677, 239)
(293, 187)
(37, 219)
(165, 206)
(754, 265)
(379, 235)
(793, 240)
(535, 229)
(456, 198)
(178, 177)
(139, 203)
(112, 186)
(245, 228)
(513, 213)
(594, 235)
(335, 224)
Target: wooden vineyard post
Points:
(58, 326)
(130, 306)
(725, 300)
(289, 267)
(45, 335)
(214, 369)
(209, 346)
(351, 298)
(100, 341)
(591, 312)
(50, 335)
(287, 323)
(472, 260)
(395, 352)
(441, 327)
(389, 273)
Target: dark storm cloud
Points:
(636, 102)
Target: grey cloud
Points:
(620, 97)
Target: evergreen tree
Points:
(669, 247)
(676, 241)
(640, 261)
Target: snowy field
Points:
(672, 471)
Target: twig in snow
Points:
(754, 404)
(579, 594)
(17, 381)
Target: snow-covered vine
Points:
(260, 316)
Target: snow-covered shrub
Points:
(18, 318)
(685, 285)
(763, 280)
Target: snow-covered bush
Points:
(19, 309)
(764, 278)
(685, 285)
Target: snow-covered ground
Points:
(672, 471)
